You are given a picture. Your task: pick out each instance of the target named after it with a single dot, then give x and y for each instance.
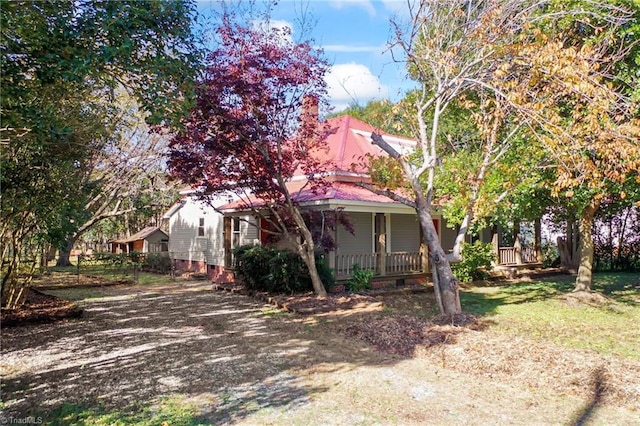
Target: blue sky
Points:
(354, 36)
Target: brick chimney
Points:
(309, 115)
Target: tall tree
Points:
(493, 50)
(248, 133)
(126, 175)
(606, 118)
(61, 64)
(450, 48)
(586, 122)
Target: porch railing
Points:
(507, 255)
(394, 263)
(403, 263)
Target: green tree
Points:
(62, 62)
(584, 114)
(496, 53)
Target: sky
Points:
(354, 35)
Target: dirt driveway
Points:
(242, 362)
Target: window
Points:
(236, 232)
(201, 227)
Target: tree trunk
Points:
(310, 260)
(495, 244)
(65, 252)
(575, 246)
(537, 244)
(585, 270)
(306, 249)
(444, 282)
(569, 248)
(456, 255)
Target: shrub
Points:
(252, 265)
(277, 271)
(111, 259)
(157, 262)
(550, 255)
(326, 273)
(477, 258)
(360, 279)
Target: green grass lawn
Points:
(529, 310)
(169, 411)
(116, 274)
(535, 310)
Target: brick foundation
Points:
(193, 266)
(219, 274)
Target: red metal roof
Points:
(350, 142)
(346, 148)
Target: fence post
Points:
(78, 263)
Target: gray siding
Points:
(404, 234)
(361, 242)
(249, 231)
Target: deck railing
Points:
(394, 263)
(507, 255)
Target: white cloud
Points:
(347, 48)
(349, 83)
(399, 8)
(367, 5)
(278, 24)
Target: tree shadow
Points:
(598, 388)
(131, 350)
(622, 287)
(484, 300)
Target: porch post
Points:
(331, 258)
(517, 245)
(227, 241)
(381, 244)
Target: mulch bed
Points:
(401, 335)
(306, 303)
(40, 308)
(309, 304)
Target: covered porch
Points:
(387, 243)
(526, 247)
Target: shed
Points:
(149, 240)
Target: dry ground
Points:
(240, 361)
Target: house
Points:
(387, 236)
(202, 238)
(149, 240)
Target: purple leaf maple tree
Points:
(255, 126)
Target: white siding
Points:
(184, 242)
(249, 231)
(361, 242)
(404, 233)
(215, 236)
